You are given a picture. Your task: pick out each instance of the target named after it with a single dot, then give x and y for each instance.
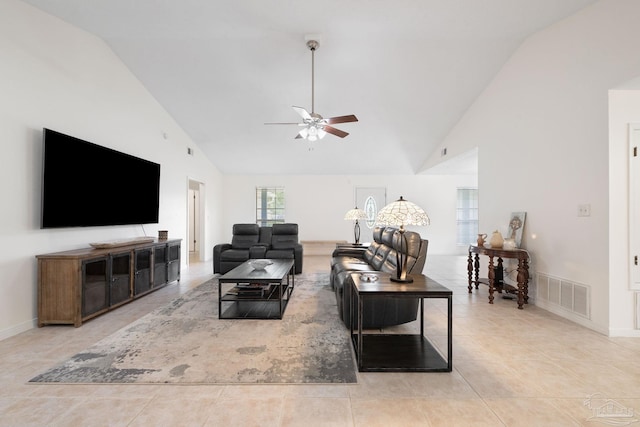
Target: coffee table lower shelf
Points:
(399, 352)
(254, 308)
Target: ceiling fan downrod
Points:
(314, 126)
(313, 45)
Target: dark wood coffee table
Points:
(256, 294)
(399, 352)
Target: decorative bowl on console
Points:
(259, 264)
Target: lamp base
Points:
(407, 280)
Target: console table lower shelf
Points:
(378, 352)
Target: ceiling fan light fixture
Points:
(313, 132)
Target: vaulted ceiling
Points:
(408, 69)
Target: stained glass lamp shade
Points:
(400, 213)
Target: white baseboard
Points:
(555, 309)
(18, 329)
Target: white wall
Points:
(541, 129)
(56, 76)
(624, 108)
(318, 203)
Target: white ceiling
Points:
(408, 69)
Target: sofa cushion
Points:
(265, 236)
(390, 264)
(284, 236)
(388, 236)
(411, 246)
(245, 236)
(279, 254)
(371, 251)
(235, 255)
(380, 257)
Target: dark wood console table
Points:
(77, 285)
(521, 255)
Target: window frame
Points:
(467, 218)
(270, 205)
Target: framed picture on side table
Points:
(516, 226)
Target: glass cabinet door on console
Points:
(159, 265)
(120, 290)
(95, 289)
(142, 271)
(173, 263)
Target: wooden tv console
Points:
(77, 285)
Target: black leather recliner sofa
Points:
(379, 256)
(250, 241)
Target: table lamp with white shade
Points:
(401, 213)
(356, 214)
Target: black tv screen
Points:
(85, 185)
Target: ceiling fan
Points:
(314, 126)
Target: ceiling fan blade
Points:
(334, 131)
(303, 113)
(342, 119)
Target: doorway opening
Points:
(195, 206)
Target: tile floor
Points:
(511, 368)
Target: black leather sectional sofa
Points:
(380, 255)
(251, 241)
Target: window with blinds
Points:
(467, 216)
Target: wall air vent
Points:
(566, 295)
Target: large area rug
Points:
(184, 342)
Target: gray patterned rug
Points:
(185, 343)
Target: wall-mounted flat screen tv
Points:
(86, 185)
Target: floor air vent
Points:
(565, 294)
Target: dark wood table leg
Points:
(525, 263)
(500, 286)
(470, 271)
(476, 266)
(523, 283)
(492, 276)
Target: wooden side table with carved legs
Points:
(473, 267)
